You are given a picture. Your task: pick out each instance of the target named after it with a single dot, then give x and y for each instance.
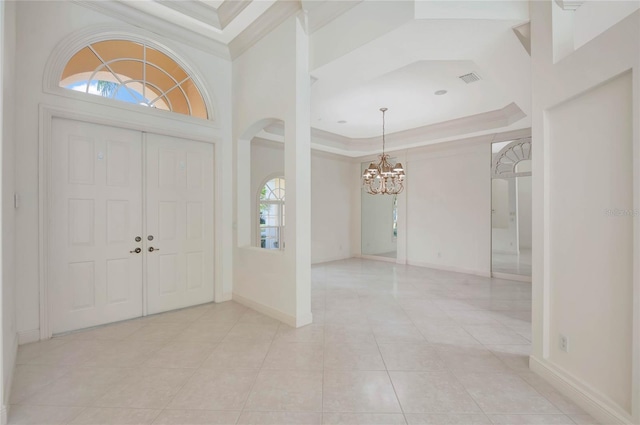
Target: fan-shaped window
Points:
(135, 73)
(271, 199)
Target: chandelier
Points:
(383, 178)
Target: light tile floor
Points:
(389, 344)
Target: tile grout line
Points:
(194, 371)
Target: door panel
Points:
(96, 213)
(179, 216)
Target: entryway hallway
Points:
(390, 344)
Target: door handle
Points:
(136, 251)
(151, 249)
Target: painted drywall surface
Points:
(593, 18)
(331, 207)
(7, 96)
(599, 325)
(449, 210)
(271, 81)
(560, 90)
(41, 27)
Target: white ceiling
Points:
(409, 94)
(367, 54)
(402, 67)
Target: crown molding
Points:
(415, 137)
(323, 12)
(230, 9)
(571, 5)
(280, 11)
(164, 28)
(195, 9)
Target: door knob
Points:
(138, 238)
(150, 237)
(151, 249)
(136, 251)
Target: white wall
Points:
(449, 209)
(599, 325)
(331, 207)
(271, 82)
(9, 334)
(41, 27)
(595, 17)
(331, 197)
(586, 270)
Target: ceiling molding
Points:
(161, 27)
(268, 21)
(195, 9)
(415, 137)
(230, 9)
(523, 32)
(571, 5)
(323, 12)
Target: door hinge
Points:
(16, 200)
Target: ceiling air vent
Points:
(469, 78)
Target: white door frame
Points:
(175, 125)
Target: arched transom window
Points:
(271, 220)
(136, 73)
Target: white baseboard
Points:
(25, 337)
(330, 259)
(516, 277)
(304, 320)
(449, 268)
(378, 258)
(597, 405)
(264, 309)
(227, 296)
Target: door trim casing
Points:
(206, 132)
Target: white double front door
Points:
(130, 224)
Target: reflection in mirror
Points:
(379, 223)
(511, 221)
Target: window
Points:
(271, 220)
(135, 73)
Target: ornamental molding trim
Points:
(158, 26)
(505, 161)
(571, 5)
(415, 137)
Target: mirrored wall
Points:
(511, 211)
(379, 220)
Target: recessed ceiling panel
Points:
(409, 93)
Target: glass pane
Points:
(270, 238)
(165, 63)
(178, 101)
(118, 49)
(159, 78)
(80, 67)
(127, 70)
(198, 108)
